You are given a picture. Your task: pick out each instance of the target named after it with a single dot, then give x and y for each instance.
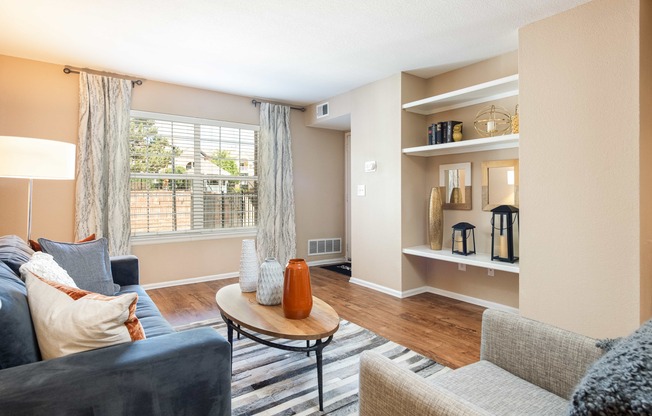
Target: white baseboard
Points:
(326, 262)
(374, 286)
(228, 275)
(436, 291)
(472, 300)
(190, 280)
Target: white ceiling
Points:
(293, 51)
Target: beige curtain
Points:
(102, 193)
(276, 227)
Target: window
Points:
(191, 176)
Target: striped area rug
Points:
(269, 381)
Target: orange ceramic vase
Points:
(297, 293)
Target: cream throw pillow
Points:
(69, 320)
(43, 265)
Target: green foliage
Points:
(179, 184)
(221, 158)
(150, 152)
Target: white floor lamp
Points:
(22, 157)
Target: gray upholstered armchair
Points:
(525, 367)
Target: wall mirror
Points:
(499, 183)
(455, 185)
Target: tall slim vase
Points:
(248, 266)
(435, 220)
(297, 292)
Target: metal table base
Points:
(317, 347)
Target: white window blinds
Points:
(191, 175)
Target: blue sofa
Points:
(169, 373)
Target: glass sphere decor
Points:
(492, 121)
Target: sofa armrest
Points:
(184, 373)
(387, 389)
(125, 270)
(549, 357)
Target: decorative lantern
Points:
(504, 233)
(463, 239)
(492, 121)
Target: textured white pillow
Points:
(43, 265)
(69, 320)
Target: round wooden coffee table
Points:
(240, 310)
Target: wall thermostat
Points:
(370, 166)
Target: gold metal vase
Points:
(455, 196)
(435, 220)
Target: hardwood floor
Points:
(446, 330)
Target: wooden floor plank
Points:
(444, 329)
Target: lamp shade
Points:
(22, 157)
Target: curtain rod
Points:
(72, 70)
(256, 102)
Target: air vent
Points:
(322, 110)
(324, 246)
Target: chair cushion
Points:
(150, 317)
(87, 263)
(14, 252)
(620, 382)
(69, 320)
(18, 343)
(499, 392)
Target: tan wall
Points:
(414, 196)
(376, 217)
(488, 70)
(580, 235)
(38, 99)
(645, 158)
(339, 108)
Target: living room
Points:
(584, 88)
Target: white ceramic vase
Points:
(270, 283)
(248, 266)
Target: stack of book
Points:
(442, 132)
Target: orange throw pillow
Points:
(37, 247)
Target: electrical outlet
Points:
(362, 190)
(490, 272)
(461, 267)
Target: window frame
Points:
(162, 237)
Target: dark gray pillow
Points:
(14, 252)
(88, 263)
(18, 343)
(619, 382)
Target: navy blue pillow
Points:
(88, 263)
(18, 344)
(14, 252)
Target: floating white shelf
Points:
(465, 146)
(475, 94)
(478, 259)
